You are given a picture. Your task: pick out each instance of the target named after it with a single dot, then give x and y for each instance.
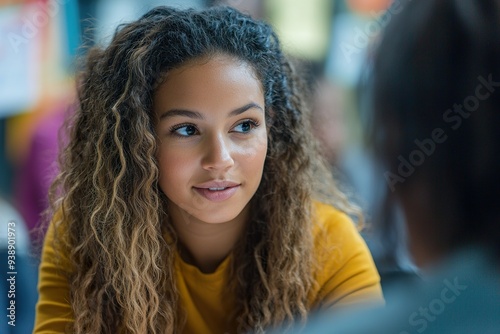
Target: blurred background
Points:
(41, 42)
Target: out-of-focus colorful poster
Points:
(40, 38)
(21, 27)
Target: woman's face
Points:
(213, 139)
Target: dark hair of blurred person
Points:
(436, 112)
(434, 85)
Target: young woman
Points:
(188, 194)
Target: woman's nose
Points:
(217, 154)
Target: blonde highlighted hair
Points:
(113, 212)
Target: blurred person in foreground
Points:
(436, 110)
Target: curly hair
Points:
(113, 211)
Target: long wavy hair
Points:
(113, 212)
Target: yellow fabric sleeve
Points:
(53, 310)
(346, 273)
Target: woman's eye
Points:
(185, 130)
(245, 126)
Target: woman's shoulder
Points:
(334, 232)
(326, 217)
(56, 228)
(344, 270)
(56, 245)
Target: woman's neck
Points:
(206, 245)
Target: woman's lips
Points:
(217, 191)
(217, 195)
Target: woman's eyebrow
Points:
(246, 107)
(181, 112)
(197, 115)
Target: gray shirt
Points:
(462, 296)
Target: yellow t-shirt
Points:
(347, 276)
